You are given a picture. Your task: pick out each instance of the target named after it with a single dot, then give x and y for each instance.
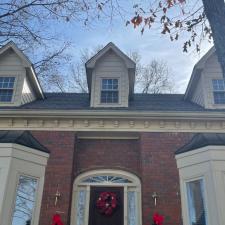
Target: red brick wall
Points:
(59, 171)
(159, 174)
(151, 158)
(115, 154)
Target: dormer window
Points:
(109, 91)
(219, 91)
(6, 88)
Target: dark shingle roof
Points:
(24, 138)
(145, 102)
(201, 140)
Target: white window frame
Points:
(13, 89)
(15, 195)
(186, 181)
(218, 91)
(118, 90)
(16, 89)
(134, 186)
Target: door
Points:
(96, 216)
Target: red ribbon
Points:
(56, 220)
(158, 219)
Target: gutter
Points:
(5, 113)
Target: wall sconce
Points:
(57, 195)
(155, 196)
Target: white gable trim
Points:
(21, 55)
(91, 62)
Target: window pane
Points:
(109, 97)
(25, 201)
(80, 210)
(7, 82)
(131, 209)
(102, 179)
(6, 95)
(219, 97)
(109, 84)
(196, 203)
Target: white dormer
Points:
(18, 82)
(110, 76)
(206, 86)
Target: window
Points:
(109, 91)
(6, 88)
(25, 201)
(196, 202)
(219, 91)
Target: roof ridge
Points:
(21, 134)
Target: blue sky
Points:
(151, 45)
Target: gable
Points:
(119, 57)
(15, 65)
(110, 47)
(10, 58)
(200, 88)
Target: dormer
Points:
(110, 76)
(207, 86)
(18, 82)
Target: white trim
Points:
(35, 198)
(110, 46)
(79, 185)
(22, 56)
(205, 200)
(112, 123)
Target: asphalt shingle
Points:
(143, 102)
(24, 138)
(201, 140)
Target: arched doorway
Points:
(87, 187)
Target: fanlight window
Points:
(108, 179)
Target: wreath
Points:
(107, 203)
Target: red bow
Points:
(56, 220)
(158, 219)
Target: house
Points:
(110, 156)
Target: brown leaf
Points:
(127, 23)
(137, 20)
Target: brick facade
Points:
(59, 171)
(151, 158)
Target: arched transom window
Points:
(111, 179)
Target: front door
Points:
(100, 215)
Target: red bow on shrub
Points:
(158, 219)
(56, 220)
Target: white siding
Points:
(11, 65)
(211, 71)
(27, 92)
(198, 93)
(110, 66)
(203, 92)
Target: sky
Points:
(151, 45)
